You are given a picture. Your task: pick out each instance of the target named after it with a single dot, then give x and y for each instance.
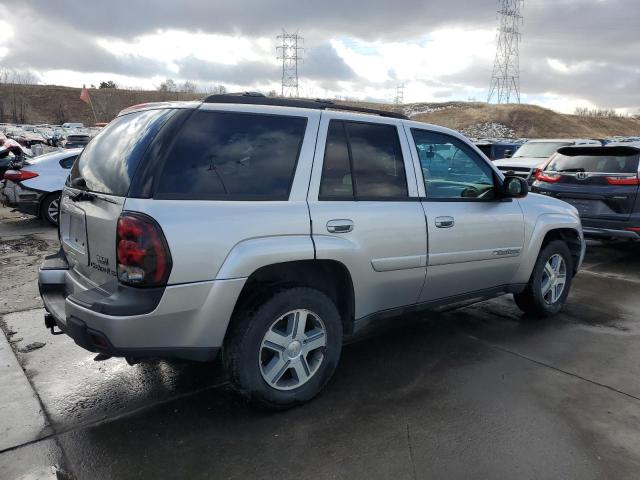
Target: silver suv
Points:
(266, 230)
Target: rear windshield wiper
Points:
(572, 170)
(84, 194)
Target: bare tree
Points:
(189, 87)
(218, 90)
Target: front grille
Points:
(522, 172)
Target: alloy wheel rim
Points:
(554, 279)
(52, 211)
(292, 349)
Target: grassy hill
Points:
(55, 104)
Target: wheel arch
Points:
(550, 227)
(328, 276)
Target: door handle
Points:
(445, 222)
(340, 226)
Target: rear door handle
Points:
(445, 222)
(340, 226)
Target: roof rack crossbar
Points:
(254, 98)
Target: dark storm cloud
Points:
(368, 19)
(247, 73)
(323, 63)
(42, 45)
(596, 39)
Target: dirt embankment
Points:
(55, 104)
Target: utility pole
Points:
(289, 51)
(505, 79)
(399, 100)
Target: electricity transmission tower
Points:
(399, 100)
(505, 80)
(289, 51)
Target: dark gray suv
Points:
(601, 182)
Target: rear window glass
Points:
(594, 163)
(228, 155)
(539, 149)
(109, 161)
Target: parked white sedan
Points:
(35, 188)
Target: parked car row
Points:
(35, 185)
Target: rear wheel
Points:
(284, 351)
(550, 282)
(50, 208)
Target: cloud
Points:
(571, 51)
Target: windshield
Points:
(539, 149)
(594, 163)
(109, 161)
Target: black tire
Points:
(531, 301)
(243, 347)
(45, 208)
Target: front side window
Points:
(363, 161)
(451, 169)
(229, 155)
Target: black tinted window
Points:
(233, 155)
(109, 161)
(68, 162)
(594, 163)
(377, 160)
(336, 170)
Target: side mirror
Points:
(508, 153)
(514, 187)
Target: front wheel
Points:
(550, 282)
(282, 352)
(50, 208)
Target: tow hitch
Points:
(50, 323)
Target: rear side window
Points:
(228, 155)
(109, 161)
(364, 161)
(67, 163)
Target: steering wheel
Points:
(471, 192)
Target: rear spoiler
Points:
(594, 151)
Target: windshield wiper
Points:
(572, 170)
(82, 196)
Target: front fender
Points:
(544, 224)
(249, 255)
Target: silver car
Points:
(35, 187)
(267, 230)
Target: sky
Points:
(573, 53)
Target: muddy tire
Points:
(282, 352)
(550, 282)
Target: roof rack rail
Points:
(256, 98)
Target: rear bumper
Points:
(595, 228)
(595, 232)
(26, 200)
(182, 321)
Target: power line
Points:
(505, 79)
(289, 51)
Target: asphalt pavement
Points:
(480, 392)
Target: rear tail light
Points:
(19, 175)
(623, 180)
(144, 259)
(543, 176)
